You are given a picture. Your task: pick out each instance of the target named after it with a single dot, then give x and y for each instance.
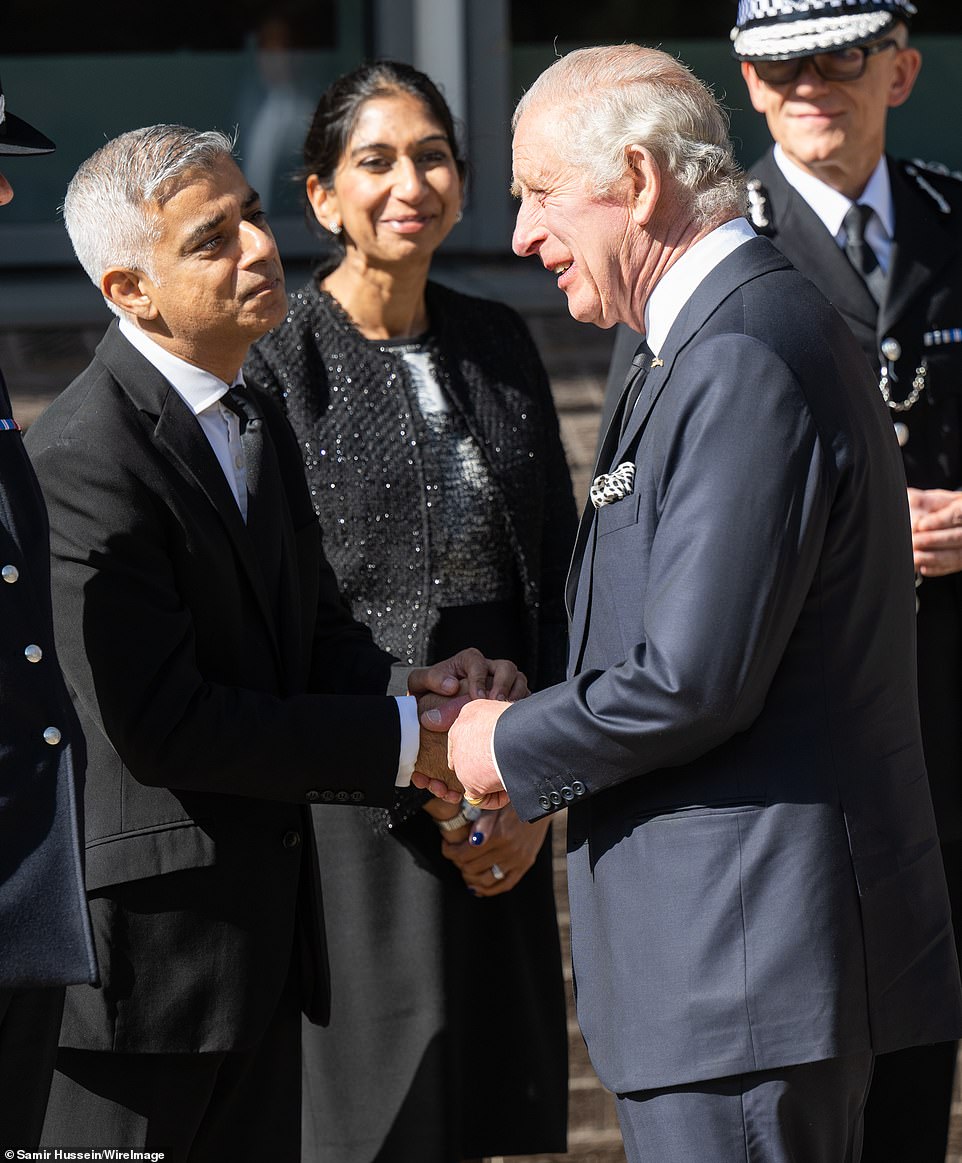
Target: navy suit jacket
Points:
(218, 702)
(45, 937)
(754, 874)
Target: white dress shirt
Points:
(831, 207)
(202, 392)
(677, 285)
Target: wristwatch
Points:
(467, 815)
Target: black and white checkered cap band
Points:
(781, 29)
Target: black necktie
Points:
(860, 254)
(263, 480)
(640, 367)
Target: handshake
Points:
(459, 702)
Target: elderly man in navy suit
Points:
(758, 904)
(45, 938)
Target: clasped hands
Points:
(936, 531)
(459, 702)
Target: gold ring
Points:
(472, 801)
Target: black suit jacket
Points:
(754, 873)
(45, 937)
(216, 708)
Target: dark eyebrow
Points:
(384, 145)
(202, 229)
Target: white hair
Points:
(107, 206)
(605, 100)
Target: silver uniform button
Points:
(891, 348)
(32, 653)
(51, 736)
(10, 573)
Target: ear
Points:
(756, 88)
(130, 291)
(908, 61)
(644, 174)
(323, 202)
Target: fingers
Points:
(504, 679)
(932, 563)
(437, 787)
(492, 881)
(438, 712)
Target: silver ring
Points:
(497, 872)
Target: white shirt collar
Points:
(831, 206)
(677, 285)
(198, 389)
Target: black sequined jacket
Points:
(353, 408)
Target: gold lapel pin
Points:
(656, 362)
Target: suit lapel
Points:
(804, 240)
(754, 258)
(180, 439)
(922, 249)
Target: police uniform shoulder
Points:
(935, 181)
(758, 209)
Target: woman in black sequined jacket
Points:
(434, 458)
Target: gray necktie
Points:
(859, 253)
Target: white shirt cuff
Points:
(407, 707)
(494, 759)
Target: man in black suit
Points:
(221, 682)
(45, 938)
(757, 899)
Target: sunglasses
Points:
(846, 64)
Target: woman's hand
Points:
(509, 845)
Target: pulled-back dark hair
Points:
(340, 105)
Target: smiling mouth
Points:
(404, 224)
(560, 268)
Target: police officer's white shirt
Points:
(831, 206)
(202, 392)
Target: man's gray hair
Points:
(107, 208)
(604, 100)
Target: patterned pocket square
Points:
(612, 486)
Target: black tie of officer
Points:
(860, 254)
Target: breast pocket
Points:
(618, 515)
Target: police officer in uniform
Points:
(45, 938)
(882, 240)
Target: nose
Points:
(6, 191)
(409, 182)
(528, 234)
(257, 242)
(809, 79)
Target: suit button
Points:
(313, 796)
(357, 797)
(254, 424)
(544, 802)
(342, 797)
(51, 736)
(9, 573)
(327, 796)
(578, 787)
(291, 839)
(567, 794)
(555, 799)
(32, 653)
